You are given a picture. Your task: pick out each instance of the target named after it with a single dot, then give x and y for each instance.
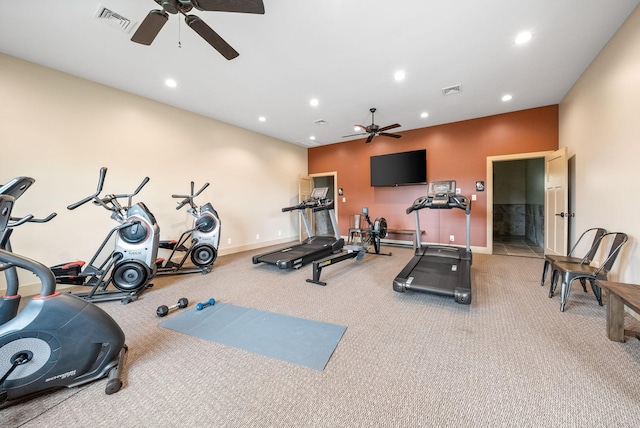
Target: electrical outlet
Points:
(257, 236)
(228, 240)
(451, 238)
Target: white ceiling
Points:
(342, 52)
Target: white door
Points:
(556, 216)
(305, 186)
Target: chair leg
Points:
(564, 294)
(597, 291)
(544, 272)
(583, 282)
(554, 283)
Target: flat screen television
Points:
(399, 169)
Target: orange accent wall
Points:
(455, 151)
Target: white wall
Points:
(600, 126)
(60, 130)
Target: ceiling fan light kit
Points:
(155, 20)
(374, 130)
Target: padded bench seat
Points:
(620, 295)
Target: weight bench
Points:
(411, 232)
(620, 295)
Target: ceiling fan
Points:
(155, 20)
(374, 130)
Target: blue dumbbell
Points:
(201, 306)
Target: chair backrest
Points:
(619, 239)
(597, 238)
(355, 221)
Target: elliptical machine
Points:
(58, 340)
(133, 261)
(200, 242)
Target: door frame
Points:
(333, 174)
(489, 186)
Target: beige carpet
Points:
(510, 359)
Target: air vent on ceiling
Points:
(455, 89)
(320, 122)
(115, 20)
(308, 143)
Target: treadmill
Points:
(439, 269)
(314, 247)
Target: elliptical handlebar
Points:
(188, 199)
(103, 174)
(112, 199)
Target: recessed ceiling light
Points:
(312, 138)
(357, 129)
(262, 119)
(400, 75)
(506, 97)
(314, 102)
(424, 114)
(523, 37)
(171, 83)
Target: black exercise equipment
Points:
(438, 269)
(200, 242)
(163, 310)
(57, 340)
(133, 261)
(314, 247)
(376, 231)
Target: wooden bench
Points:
(618, 295)
(411, 232)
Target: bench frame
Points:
(620, 295)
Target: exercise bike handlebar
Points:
(17, 221)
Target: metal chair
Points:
(597, 232)
(355, 232)
(584, 272)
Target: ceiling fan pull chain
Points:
(179, 34)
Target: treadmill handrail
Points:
(455, 201)
(314, 204)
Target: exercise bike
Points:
(200, 242)
(376, 231)
(133, 261)
(10, 301)
(58, 340)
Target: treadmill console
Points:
(440, 192)
(319, 193)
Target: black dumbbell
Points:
(164, 309)
(210, 302)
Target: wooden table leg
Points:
(615, 318)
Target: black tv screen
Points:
(399, 169)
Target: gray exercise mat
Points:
(297, 340)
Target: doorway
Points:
(515, 202)
(326, 179)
